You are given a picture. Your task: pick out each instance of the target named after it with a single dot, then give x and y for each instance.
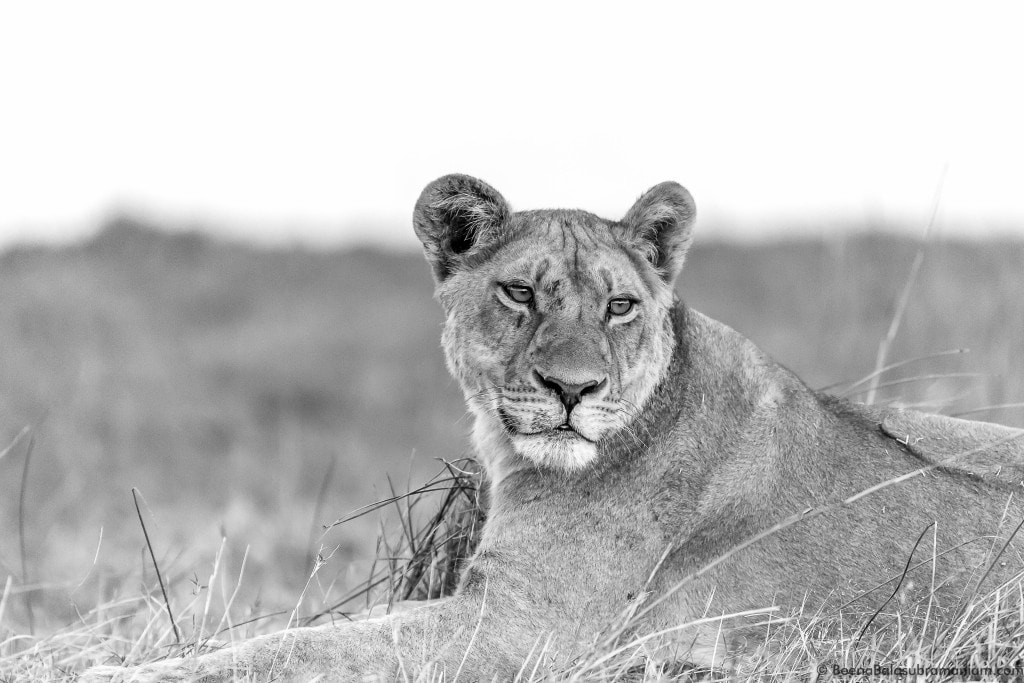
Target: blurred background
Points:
(210, 289)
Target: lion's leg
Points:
(294, 654)
(447, 635)
(400, 607)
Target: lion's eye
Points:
(519, 293)
(620, 306)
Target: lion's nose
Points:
(568, 393)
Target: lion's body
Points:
(639, 461)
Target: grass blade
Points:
(21, 435)
(899, 584)
(901, 306)
(982, 409)
(849, 386)
(21, 533)
(156, 566)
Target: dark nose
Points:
(569, 394)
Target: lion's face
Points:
(557, 321)
(557, 336)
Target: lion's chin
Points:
(561, 450)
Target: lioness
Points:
(649, 469)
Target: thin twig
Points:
(920, 378)
(895, 590)
(21, 533)
(851, 385)
(430, 487)
(21, 435)
(920, 564)
(1002, 550)
(901, 306)
(3, 597)
(252, 620)
(996, 406)
(156, 566)
(318, 510)
(226, 616)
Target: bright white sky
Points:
(322, 121)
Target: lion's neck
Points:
(665, 405)
(493, 449)
(716, 413)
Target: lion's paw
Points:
(172, 671)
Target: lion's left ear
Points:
(660, 225)
(455, 216)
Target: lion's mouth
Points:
(562, 432)
(566, 431)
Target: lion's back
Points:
(990, 451)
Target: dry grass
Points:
(250, 395)
(420, 560)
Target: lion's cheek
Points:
(481, 342)
(642, 365)
(476, 361)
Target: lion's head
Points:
(557, 322)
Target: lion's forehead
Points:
(574, 266)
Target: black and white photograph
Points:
(537, 342)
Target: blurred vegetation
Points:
(255, 394)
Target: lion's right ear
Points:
(454, 216)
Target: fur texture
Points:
(685, 442)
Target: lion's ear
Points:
(660, 225)
(454, 216)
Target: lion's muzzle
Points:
(570, 393)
